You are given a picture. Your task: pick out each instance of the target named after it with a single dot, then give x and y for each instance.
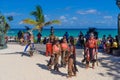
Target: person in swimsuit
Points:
(91, 50)
(72, 61)
(64, 52)
(55, 56)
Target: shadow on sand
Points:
(43, 66)
(17, 53)
(41, 52)
(112, 64)
(80, 64)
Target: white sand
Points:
(13, 66)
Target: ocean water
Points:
(61, 32)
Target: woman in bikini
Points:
(72, 61)
(64, 52)
(55, 56)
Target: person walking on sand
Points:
(72, 61)
(31, 44)
(91, 49)
(64, 52)
(55, 56)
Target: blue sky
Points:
(72, 13)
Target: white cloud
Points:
(107, 17)
(47, 18)
(21, 22)
(62, 17)
(74, 18)
(65, 20)
(81, 12)
(90, 11)
(12, 14)
(45, 15)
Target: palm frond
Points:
(56, 22)
(40, 14)
(38, 26)
(39, 23)
(30, 21)
(52, 22)
(10, 18)
(34, 13)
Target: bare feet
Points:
(69, 76)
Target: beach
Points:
(15, 66)
(66, 29)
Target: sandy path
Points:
(13, 66)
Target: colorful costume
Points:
(91, 48)
(72, 62)
(64, 54)
(54, 58)
(48, 49)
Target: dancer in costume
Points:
(91, 50)
(64, 52)
(55, 56)
(72, 61)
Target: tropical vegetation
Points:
(7, 26)
(39, 21)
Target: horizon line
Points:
(63, 28)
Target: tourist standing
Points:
(19, 35)
(81, 39)
(45, 40)
(67, 36)
(39, 35)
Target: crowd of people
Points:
(90, 43)
(63, 50)
(108, 44)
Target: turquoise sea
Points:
(60, 32)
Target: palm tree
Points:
(7, 26)
(39, 21)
